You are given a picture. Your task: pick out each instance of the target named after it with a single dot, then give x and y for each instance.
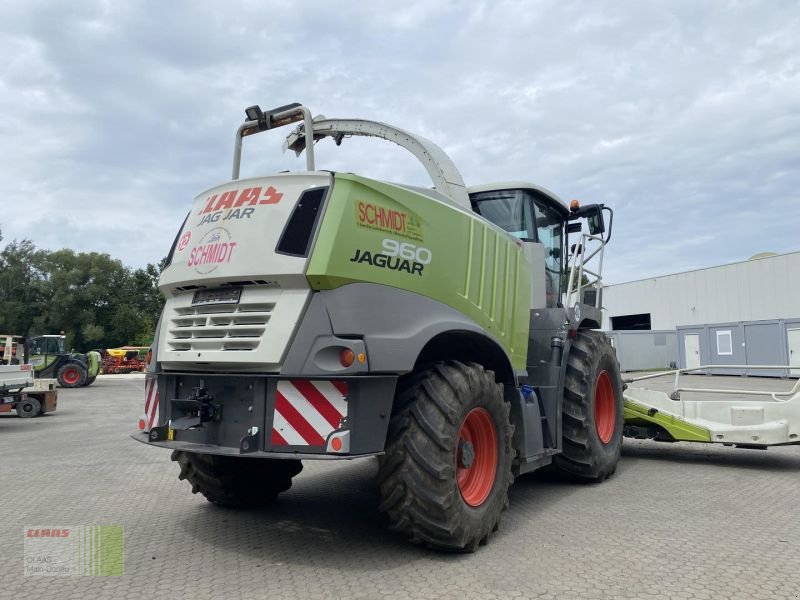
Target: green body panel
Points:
(637, 414)
(93, 363)
(452, 256)
(43, 362)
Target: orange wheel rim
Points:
(476, 457)
(605, 409)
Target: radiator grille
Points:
(237, 327)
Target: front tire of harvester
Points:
(236, 482)
(71, 375)
(445, 475)
(592, 418)
(29, 407)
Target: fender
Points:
(395, 325)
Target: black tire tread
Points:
(236, 482)
(577, 461)
(416, 475)
(36, 408)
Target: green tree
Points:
(95, 299)
(22, 282)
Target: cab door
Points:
(531, 217)
(549, 226)
(43, 354)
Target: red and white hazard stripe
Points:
(307, 411)
(150, 416)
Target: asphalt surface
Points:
(675, 521)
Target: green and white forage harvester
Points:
(324, 315)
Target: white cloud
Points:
(681, 115)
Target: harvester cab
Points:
(324, 315)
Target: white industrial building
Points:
(740, 313)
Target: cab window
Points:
(53, 345)
(549, 232)
(509, 209)
(37, 346)
(526, 216)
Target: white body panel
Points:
(15, 376)
(42, 385)
(222, 245)
(731, 421)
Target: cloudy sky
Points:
(684, 116)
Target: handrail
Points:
(677, 389)
(578, 260)
(279, 119)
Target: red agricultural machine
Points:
(126, 359)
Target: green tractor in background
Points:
(49, 357)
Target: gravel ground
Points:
(676, 521)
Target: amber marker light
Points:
(347, 357)
(574, 206)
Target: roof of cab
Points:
(556, 202)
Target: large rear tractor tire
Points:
(71, 375)
(445, 475)
(28, 407)
(592, 412)
(236, 482)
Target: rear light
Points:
(347, 357)
(142, 424)
(338, 442)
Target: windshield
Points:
(508, 209)
(54, 345)
(529, 218)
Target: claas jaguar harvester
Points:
(449, 331)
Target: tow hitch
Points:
(195, 410)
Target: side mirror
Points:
(597, 225)
(593, 213)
